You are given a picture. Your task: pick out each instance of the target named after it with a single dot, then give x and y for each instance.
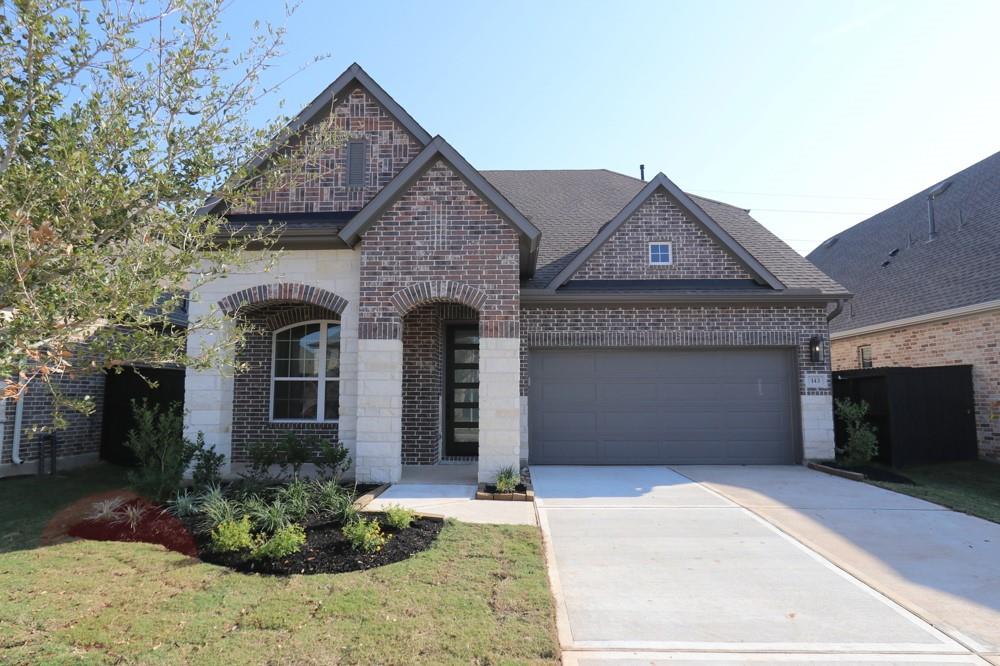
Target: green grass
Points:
(972, 487)
(478, 596)
(27, 503)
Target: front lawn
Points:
(972, 486)
(478, 596)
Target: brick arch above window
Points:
(270, 294)
(440, 291)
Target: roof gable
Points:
(436, 149)
(710, 226)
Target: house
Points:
(424, 312)
(925, 275)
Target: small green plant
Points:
(331, 460)
(216, 508)
(164, 453)
(507, 480)
(268, 517)
(207, 464)
(297, 499)
(398, 517)
(105, 510)
(293, 452)
(232, 535)
(286, 541)
(131, 515)
(184, 504)
(365, 535)
(862, 442)
(333, 501)
(263, 457)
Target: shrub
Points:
(862, 442)
(331, 460)
(263, 456)
(365, 535)
(105, 510)
(331, 500)
(507, 480)
(216, 508)
(184, 504)
(267, 517)
(164, 453)
(207, 464)
(398, 517)
(284, 542)
(293, 452)
(297, 499)
(232, 535)
(131, 515)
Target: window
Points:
(305, 382)
(356, 163)
(865, 356)
(660, 254)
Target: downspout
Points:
(3, 425)
(15, 452)
(836, 311)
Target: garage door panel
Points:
(661, 407)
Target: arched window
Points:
(305, 373)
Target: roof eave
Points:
(786, 297)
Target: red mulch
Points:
(155, 526)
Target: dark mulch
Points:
(155, 526)
(874, 472)
(490, 488)
(327, 551)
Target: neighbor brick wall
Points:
(423, 379)
(969, 340)
(320, 182)
(82, 434)
(696, 255)
(440, 233)
(678, 326)
(252, 387)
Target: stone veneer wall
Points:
(970, 339)
(320, 183)
(696, 255)
(691, 327)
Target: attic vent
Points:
(356, 163)
(830, 243)
(886, 263)
(894, 252)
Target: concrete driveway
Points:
(695, 565)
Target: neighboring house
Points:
(926, 279)
(424, 311)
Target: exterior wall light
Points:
(816, 349)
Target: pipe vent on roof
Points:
(934, 193)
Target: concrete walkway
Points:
(649, 566)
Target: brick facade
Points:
(677, 326)
(696, 255)
(252, 388)
(321, 183)
(439, 237)
(972, 339)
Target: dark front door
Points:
(462, 391)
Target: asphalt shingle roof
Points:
(571, 206)
(960, 267)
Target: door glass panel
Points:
(466, 376)
(466, 395)
(466, 414)
(467, 356)
(466, 434)
(466, 337)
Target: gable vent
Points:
(356, 163)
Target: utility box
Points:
(923, 415)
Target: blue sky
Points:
(814, 115)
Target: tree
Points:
(117, 122)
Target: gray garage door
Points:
(629, 407)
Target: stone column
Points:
(379, 411)
(499, 405)
(817, 427)
(208, 401)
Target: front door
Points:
(462, 391)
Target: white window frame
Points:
(670, 250)
(321, 377)
(861, 357)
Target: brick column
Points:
(379, 410)
(499, 405)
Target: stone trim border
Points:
(266, 294)
(843, 473)
(441, 291)
(366, 499)
(527, 496)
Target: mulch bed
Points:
(155, 526)
(327, 551)
(874, 472)
(490, 488)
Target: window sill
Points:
(302, 422)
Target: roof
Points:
(571, 206)
(960, 267)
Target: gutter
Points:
(15, 452)
(930, 317)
